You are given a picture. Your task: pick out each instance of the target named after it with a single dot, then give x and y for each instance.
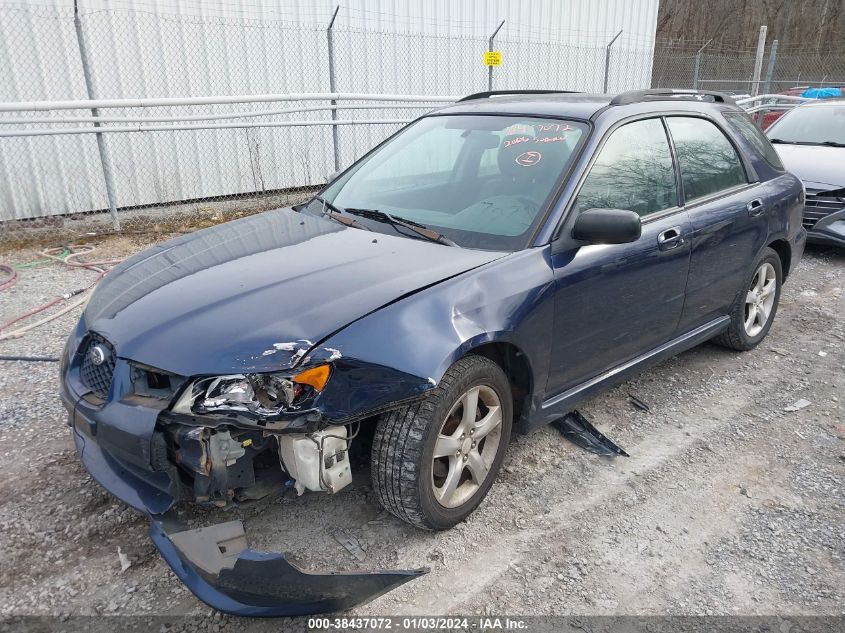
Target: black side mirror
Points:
(607, 226)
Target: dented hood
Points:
(253, 294)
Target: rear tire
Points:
(756, 304)
(435, 460)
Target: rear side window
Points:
(743, 124)
(633, 171)
(707, 159)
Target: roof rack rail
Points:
(665, 94)
(493, 93)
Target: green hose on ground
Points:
(40, 262)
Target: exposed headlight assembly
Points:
(260, 395)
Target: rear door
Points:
(614, 302)
(727, 209)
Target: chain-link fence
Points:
(172, 166)
(188, 160)
(703, 66)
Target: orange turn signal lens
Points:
(317, 377)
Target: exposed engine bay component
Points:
(223, 450)
(226, 464)
(578, 430)
(317, 461)
(217, 565)
(231, 464)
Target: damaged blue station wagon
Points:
(481, 272)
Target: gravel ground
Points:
(730, 503)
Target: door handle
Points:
(755, 207)
(670, 238)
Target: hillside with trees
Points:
(810, 25)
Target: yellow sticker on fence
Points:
(493, 58)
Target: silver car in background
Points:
(810, 141)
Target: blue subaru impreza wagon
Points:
(482, 271)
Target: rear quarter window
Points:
(743, 124)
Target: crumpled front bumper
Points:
(824, 214)
(214, 562)
(829, 231)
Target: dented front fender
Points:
(411, 343)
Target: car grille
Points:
(820, 203)
(97, 377)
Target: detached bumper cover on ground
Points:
(216, 564)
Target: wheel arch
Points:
(784, 251)
(514, 362)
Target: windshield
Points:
(478, 181)
(816, 125)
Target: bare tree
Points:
(814, 25)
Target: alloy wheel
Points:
(760, 299)
(466, 446)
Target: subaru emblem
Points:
(98, 355)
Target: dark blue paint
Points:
(145, 491)
(507, 301)
(364, 387)
(722, 236)
(284, 290)
(605, 286)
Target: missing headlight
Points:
(260, 395)
(230, 391)
(273, 392)
(257, 393)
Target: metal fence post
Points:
(770, 70)
(697, 70)
(490, 48)
(105, 161)
(607, 59)
(332, 89)
(758, 62)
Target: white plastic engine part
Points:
(300, 455)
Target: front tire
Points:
(756, 304)
(435, 460)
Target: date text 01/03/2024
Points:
(419, 623)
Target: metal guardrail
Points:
(84, 104)
(773, 97)
(95, 105)
(771, 102)
(104, 125)
(181, 128)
